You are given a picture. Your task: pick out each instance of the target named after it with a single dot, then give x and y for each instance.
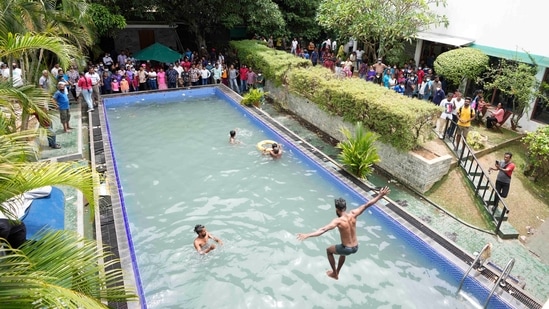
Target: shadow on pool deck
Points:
(529, 268)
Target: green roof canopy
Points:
(157, 52)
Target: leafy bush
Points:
(400, 121)
(271, 62)
(358, 152)
(538, 152)
(253, 97)
(460, 63)
(476, 140)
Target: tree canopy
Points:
(458, 64)
(517, 81)
(381, 25)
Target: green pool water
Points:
(177, 170)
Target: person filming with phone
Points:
(505, 169)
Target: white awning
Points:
(444, 39)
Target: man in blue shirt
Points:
(61, 99)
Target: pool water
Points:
(177, 170)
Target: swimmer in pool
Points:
(201, 243)
(275, 151)
(346, 224)
(232, 137)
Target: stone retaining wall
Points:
(407, 167)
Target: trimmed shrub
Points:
(273, 63)
(403, 122)
(460, 63)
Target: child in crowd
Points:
(124, 85)
(115, 86)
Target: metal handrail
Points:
(488, 245)
(456, 144)
(501, 280)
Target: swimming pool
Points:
(177, 169)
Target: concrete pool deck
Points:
(529, 269)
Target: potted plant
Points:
(253, 97)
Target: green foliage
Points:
(358, 152)
(380, 24)
(400, 121)
(538, 152)
(299, 16)
(516, 80)
(60, 270)
(460, 63)
(476, 140)
(105, 22)
(253, 97)
(273, 63)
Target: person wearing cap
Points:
(346, 224)
(62, 101)
(201, 242)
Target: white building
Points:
(509, 29)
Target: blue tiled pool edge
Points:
(399, 227)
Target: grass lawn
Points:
(528, 201)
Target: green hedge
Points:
(273, 63)
(400, 121)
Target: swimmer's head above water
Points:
(232, 133)
(199, 228)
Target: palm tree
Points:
(60, 270)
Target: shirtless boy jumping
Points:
(201, 241)
(346, 224)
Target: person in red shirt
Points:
(243, 78)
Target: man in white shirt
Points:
(55, 70)
(457, 102)
(44, 81)
(17, 75)
(359, 54)
(294, 47)
(179, 70)
(96, 85)
(107, 60)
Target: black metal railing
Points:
(484, 188)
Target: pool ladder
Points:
(484, 255)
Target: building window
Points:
(540, 112)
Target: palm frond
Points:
(60, 270)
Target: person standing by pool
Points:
(201, 241)
(346, 224)
(62, 101)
